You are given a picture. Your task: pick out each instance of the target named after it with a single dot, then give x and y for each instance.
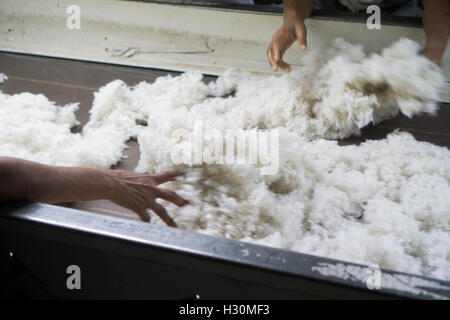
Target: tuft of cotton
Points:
(383, 202)
(34, 128)
(3, 77)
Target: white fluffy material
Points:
(3, 77)
(385, 202)
(34, 128)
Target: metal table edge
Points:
(340, 273)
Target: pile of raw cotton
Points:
(383, 202)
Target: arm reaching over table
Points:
(436, 22)
(26, 180)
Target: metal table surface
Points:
(123, 249)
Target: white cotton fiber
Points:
(383, 202)
(374, 203)
(34, 128)
(3, 77)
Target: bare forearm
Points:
(436, 23)
(26, 180)
(299, 9)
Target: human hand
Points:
(436, 23)
(138, 192)
(434, 55)
(293, 29)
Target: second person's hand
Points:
(292, 30)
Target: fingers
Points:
(271, 60)
(171, 196)
(162, 213)
(285, 66)
(274, 57)
(163, 177)
(143, 214)
(301, 33)
(276, 54)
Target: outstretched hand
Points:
(138, 192)
(292, 30)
